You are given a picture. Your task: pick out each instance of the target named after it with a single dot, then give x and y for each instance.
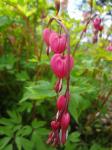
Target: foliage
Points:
(26, 82)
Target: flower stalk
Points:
(61, 65)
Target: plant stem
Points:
(33, 110)
(82, 33)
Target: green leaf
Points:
(42, 131)
(24, 131)
(5, 121)
(21, 2)
(4, 22)
(78, 104)
(96, 147)
(6, 130)
(15, 117)
(37, 124)
(38, 91)
(22, 76)
(26, 144)
(31, 12)
(4, 141)
(8, 147)
(18, 143)
(69, 146)
(38, 143)
(17, 127)
(7, 61)
(74, 137)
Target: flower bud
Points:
(65, 121)
(46, 35)
(54, 125)
(61, 102)
(97, 24)
(100, 28)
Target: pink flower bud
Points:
(58, 42)
(59, 65)
(100, 28)
(65, 121)
(54, 125)
(96, 22)
(46, 35)
(61, 102)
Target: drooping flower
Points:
(58, 42)
(46, 35)
(97, 24)
(59, 132)
(100, 28)
(61, 102)
(54, 134)
(55, 125)
(65, 121)
(59, 65)
(97, 21)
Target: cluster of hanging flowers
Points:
(61, 64)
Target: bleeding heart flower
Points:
(97, 21)
(58, 42)
(97, 24)
(59, 65)
(46, 35)
(65, 121)
(100, 28)
(61, 102)
(54, 125)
